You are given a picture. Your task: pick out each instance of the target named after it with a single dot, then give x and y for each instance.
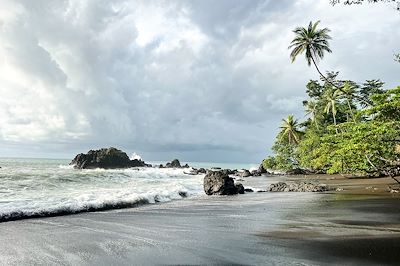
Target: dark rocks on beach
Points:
(298, 187)
(255, 173)
(245, 173)
(240, 188)
(107, 158)
(261, 169)
(248, 190)
(195, 171)
(219, 183)
(296, 171)
(201, 171)
(300, 171)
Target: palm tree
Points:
(312, 41)
(290, 130)
(312, 110)
(349, 91)
(331, 97)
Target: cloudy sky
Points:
(199, 80)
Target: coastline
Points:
(351, 226)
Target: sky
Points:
(199, 80)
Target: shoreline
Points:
(250, 229)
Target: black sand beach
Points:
(251, 229)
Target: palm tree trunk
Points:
(336, 86)
(326, 79)
(351, 110)
(334, 122)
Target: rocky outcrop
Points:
(219, 183)
(298, 187)
(107, 158)
(174, 164)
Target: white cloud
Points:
(202, 79)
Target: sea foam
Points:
(40, 191)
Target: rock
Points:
(186, 166)
(161, 166)
(110, 158)
(296, 171)
(240, 188)
(255, 173)
(173, 164)
(202, 171)
(278, 187)
(245, 173)
(298, 187)
(249, 190)
(219, 183)
(261, 169)
(195, 171)
(215, 168)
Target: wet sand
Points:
(350, 227)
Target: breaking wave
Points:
(32, 192)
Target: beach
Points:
(345, 227)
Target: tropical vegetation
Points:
(350, 127)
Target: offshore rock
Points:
(219, 183)
(107, 158)
(175, 164)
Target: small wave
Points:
(104, 206)
(61, 166)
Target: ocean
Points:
(49, 187)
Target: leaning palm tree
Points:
(290, 130)
(312, 111)
(331, 97)
(312, 41)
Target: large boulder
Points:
(219, 183)
(107, 158)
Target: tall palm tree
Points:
(312, 110)
(290, 130)
(331, 97)
(312, 41)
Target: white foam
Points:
(64, 189)
(135, 156)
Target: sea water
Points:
(46, 187)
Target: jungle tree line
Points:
(350, 127)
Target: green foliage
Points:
(307, 151)
(341, 134)
(364, 147)
(386, 106)
(311, 41)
